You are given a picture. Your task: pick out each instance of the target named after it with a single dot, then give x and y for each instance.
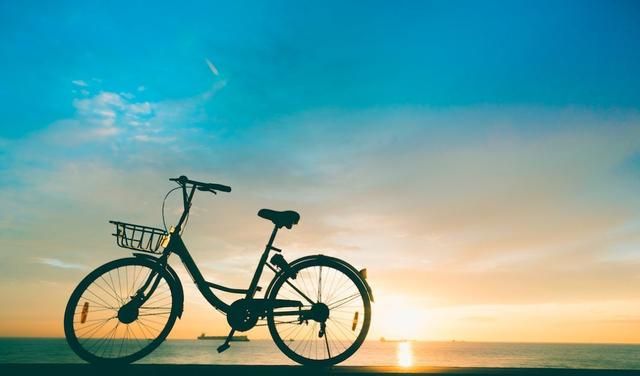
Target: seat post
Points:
(271, 239)
(263, 260)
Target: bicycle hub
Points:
(128, 313)
(319, 312)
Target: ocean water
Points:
(372, 353)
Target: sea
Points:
(372, 353)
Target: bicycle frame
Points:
(176, 246)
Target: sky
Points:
(480, 159)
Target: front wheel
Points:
(337, 312)
(121, 311)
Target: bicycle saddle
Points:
(286, 218)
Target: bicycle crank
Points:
(242, 315)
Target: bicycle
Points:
(317, 308)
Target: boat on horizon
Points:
(233, 339)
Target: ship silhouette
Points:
(233, 339)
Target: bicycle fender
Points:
(340, 261)
(353, 269)
(176, 280)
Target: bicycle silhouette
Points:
(317, 308)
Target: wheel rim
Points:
(103, 323)
(344, 330)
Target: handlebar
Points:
(211, 187)
(188, 196)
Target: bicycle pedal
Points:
(223, 347)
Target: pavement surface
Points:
(214, 370)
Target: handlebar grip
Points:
(182, 179)
(219, 187)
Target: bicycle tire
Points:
(84, 350)
(292, 351)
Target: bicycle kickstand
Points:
(226, 344)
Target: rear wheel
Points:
(104, 323)
(339, 318)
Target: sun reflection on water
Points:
(405, 354)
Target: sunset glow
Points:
(481, 161)
(405, 354)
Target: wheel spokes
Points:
(96, 321)
(333, 288)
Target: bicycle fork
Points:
(129, 312)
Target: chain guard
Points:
(242, 315)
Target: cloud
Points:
(80, 83)
(159, 140)
(108, 109)
(451, 209)
(212, 67)
(111, 119)
(59, 263)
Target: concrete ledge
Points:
(215, 370)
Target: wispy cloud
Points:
(152, 139)
(120, 118)
(56, 263)
(455, 209)
(80, 83)
(212, 67)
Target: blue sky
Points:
(489, 151)
(287, 57)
